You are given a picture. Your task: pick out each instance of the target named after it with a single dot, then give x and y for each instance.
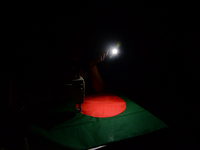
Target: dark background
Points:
(159, 56)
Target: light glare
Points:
(114, 51)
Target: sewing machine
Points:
(77, 91)
(74, 89)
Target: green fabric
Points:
(83, 132)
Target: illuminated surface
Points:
(102, 105)
(84, 132)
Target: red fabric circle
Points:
(102, 105)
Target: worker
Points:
(83, 65)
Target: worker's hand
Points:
(99, 59)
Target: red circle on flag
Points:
(102, 105)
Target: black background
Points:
(159, 56)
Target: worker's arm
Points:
(97, 82)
